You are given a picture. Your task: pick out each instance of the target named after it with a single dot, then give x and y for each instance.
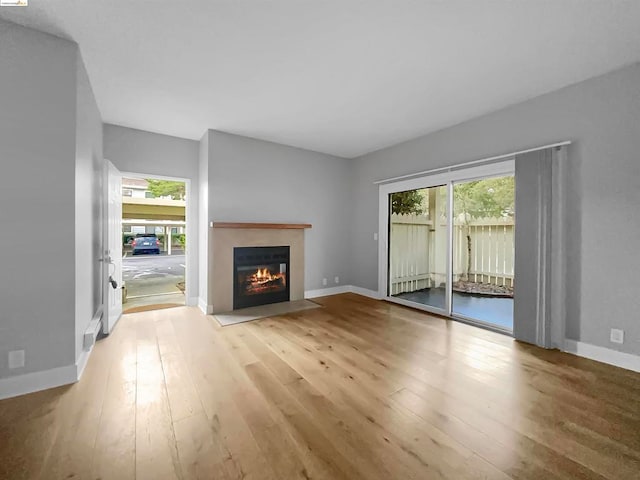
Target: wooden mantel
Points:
(271, 226)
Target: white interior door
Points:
(113, 248)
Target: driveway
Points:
(153, 274)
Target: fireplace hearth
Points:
(260, 276)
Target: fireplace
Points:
(222, 289)
(260, 276)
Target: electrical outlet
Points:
(337, 279)
(16, 359)
(375, 236)
(617, 335)
(324, 281)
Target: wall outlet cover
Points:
(16, 359)
(324, 281)
(617, 335)
(337, 279)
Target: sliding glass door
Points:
(483, 250)
(418, 230)
(450, 243)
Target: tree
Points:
(405, 203)
(166, 188)
(492, 197)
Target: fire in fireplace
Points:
(260, 276)
(262, 280)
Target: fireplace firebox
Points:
(260, 276)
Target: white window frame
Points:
(496, 169)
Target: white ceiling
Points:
(344, 77)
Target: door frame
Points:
(453, 175)
(191, 276)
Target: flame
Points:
(264, 275)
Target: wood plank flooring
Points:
(359, 389)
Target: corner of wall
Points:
(88, 239)
(323, 292)
(203, 220)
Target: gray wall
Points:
(203, 220)
(89, 200)
(602, 117)
(37, 187)
(137, 151)
(256, 181)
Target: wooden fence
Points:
(418, 252)
(410, 263)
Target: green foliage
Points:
(167, 188)
(127, 237)
(405, 203)
(177, 239)
(493, 197)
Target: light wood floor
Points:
(356, 390)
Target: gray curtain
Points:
(539, 248)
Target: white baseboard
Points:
(204, 308)
(323, 292)
(602, 354)
(81, 363)
(365, 292)
(36, 381)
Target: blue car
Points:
(145, 243)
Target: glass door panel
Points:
(418, 255)
(483, 250)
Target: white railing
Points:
(418, 252)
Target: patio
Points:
(496, 311)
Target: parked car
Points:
(145, 243)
